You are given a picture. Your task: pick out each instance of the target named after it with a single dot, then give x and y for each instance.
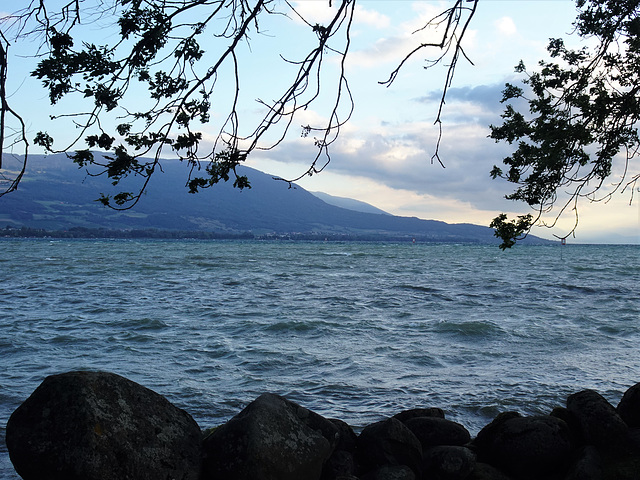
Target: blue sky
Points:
(383, 154)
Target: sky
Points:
(383, 155)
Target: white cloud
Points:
(371, 18)
(320, 12)
(506, 26)
(395, 43)
(314, 11)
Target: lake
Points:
(356, 331)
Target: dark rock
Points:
(564, 414)
(634, 440)
(432, 431)
(570, 419)
(629, 406)
(340, 464)
(448, 462)
(391, 472)
(101, 426)
(491, 430)
(389, 442)
(271, 439)
(419, 412)
(625, 468)
(623, 463)
(526, 447)
(347, 438)
(588, 466)
(599, 423)
(484, 471)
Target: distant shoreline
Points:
(152, 233)
(81, 233)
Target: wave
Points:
(419, 288)
(469, 328)
(301, 326)
(144, 323)
(595, 290)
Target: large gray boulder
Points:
(419, 412)
(433, 431)
(588, 465)
(271, 439)
(101, 426)
(629, 406)
(484, 471)
(390, 472)
(389, 442)
(526, 447)
(448, 462)
(342, 461)
(598, 421)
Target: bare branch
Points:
(456, 21)
(9, 181)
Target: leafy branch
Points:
(584, 110)
(158, 49)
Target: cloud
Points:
(486, 95)
(399, 157)
(506, 26)
(320, 12)
(479, 105)
(371, 18)
(314, 12)
(399, 41)
(391, 170)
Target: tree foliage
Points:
(572, 123)
(582, 121)
(159, 53)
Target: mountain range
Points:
(56, 195)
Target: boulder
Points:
(347, 438)
(599, 423)
(588, 465)
(101, 426)
(526, 447)
(391, 472)
(419, 412)
(432, 431)
(492, 429)
(634, 440)
(484, 471)
(448, 462)
(271, 439)
(629, 406)
(340, 464)
(389, 442)
(569, 418)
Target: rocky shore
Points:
(101, 426)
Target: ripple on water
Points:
(143, 323)
(475, 329)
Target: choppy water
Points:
(351, 330)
